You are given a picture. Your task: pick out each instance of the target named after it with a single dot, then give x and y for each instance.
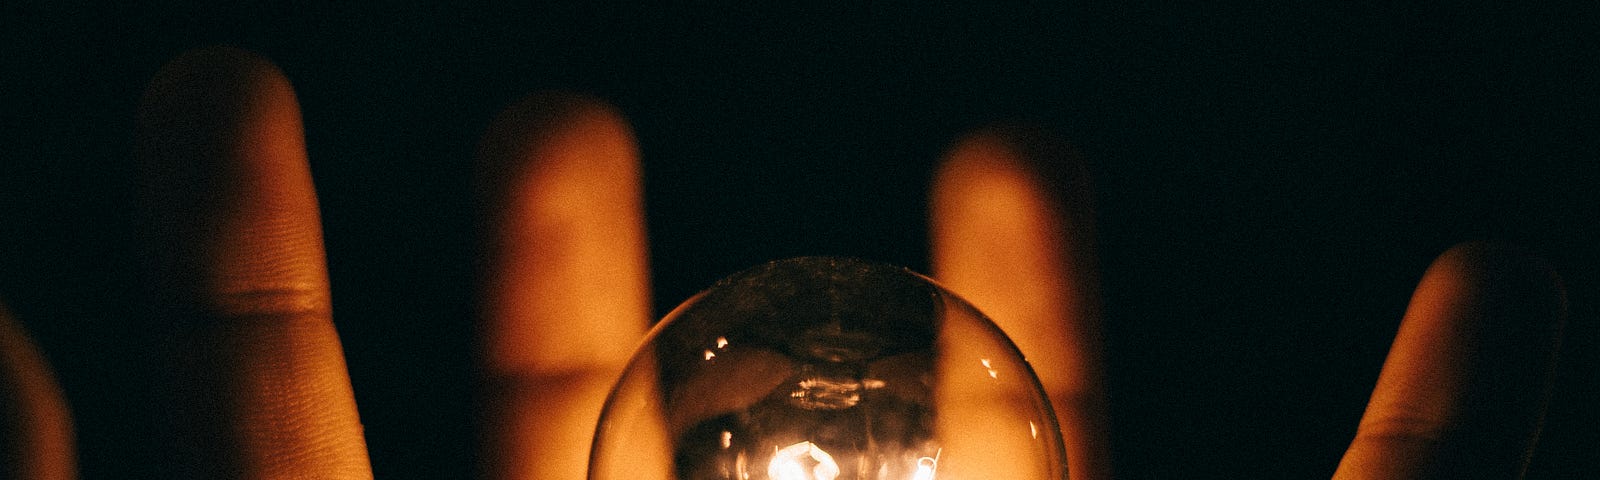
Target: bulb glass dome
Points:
(827, 369)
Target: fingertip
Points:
(1011, 196)
(1495, 298)
(36, 437)
(213, 87)
(230, 213)
(1502, 276)
(1026, 155)
(565, 282)
(1464, 387)
(1012, 231)
(977, 162)
(534, 117)
(1485, 323)
(554, 130)
(214, 111)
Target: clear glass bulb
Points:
(827, 369)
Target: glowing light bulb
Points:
(827, 369)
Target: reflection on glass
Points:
(824, 369)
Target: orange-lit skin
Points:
(565, 295)
(35, 429)
(232, 232)
(234, 239)
(1463, 391)
(972, 404)
(1019, 246)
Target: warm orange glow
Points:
(229, 196)
(984, 420)
(1462, 391)
(927, 467)
(648, 453)
(566, 289)
(1019, 247)
(802, 461)
(35, 426)
(237, 246)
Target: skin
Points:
(234, 242)
(260, 389)
(35, 427)
(566, 295)
(1018, 245)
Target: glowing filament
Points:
(926, 466)
(791, 462)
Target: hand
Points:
(235, 244)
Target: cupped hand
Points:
(232, 231)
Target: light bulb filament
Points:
(791, 462)
(927, 466)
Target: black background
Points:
(1271, 183)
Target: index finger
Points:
(234, 237)
(1463, 391)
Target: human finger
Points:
(1012, 232)
(566, 290)
(1463, 390)
(232, 230)
(35, 425)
